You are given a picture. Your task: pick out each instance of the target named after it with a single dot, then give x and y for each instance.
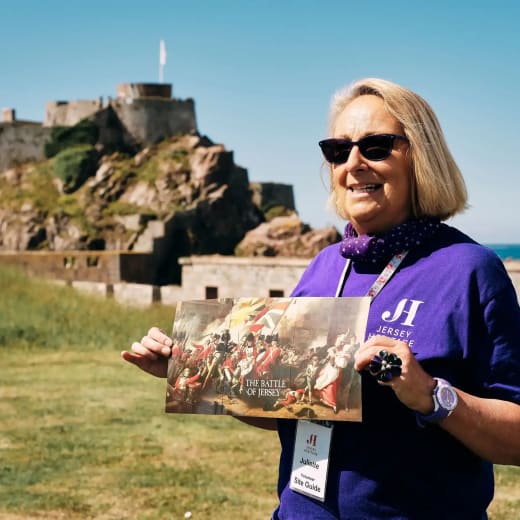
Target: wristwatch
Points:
(445, 400)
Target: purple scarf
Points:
(377, 248)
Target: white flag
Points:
(162, 53)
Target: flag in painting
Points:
(269, 316)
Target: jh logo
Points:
(311, 441)
(407, 307)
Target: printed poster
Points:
(267, 357)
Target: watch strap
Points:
(439, 411)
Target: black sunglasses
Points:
(373, 147)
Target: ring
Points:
(384, 366)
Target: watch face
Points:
(447, 398)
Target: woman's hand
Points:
(414, 386)
(151, 353)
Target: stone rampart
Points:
(215, 276)
(96, 288)
(21, 142)
(136, 294)
(211, 276)
(106, 267)
(70, 113)
(269, 194)
(150, 120)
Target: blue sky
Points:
(262, 74)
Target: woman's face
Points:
(374, 195)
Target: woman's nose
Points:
(355, 160)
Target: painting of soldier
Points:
(267, 357)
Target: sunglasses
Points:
(372, 147)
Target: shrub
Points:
(272, 212)
(75, 165)
(62, 137)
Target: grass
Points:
(83, 435)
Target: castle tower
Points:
(144, 90)
(150, 114)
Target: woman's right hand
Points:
(151, 353)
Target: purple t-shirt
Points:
(453, 302)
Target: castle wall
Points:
(140, 90)
(69, 113)
(150, 120)
(269, 194)
(202, 276)
(107, 267)
(21, 142)
(138, 295)
(216, 276)
(230, 276)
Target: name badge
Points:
(311, 459)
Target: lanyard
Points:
(381, 280)
(313, 438)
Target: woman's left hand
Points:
(414, 386)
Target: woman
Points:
(444, 318)
(329, 377)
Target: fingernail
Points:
(166, 351)
(168, 342)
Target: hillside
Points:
(185, 191)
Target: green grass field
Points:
(84, 435)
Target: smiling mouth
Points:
(366, 188)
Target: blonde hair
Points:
(438, 188)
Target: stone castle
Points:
(219, 203)
(142, 114)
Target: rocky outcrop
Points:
(184, 196)
(187, 176)
(286, 236)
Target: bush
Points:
(62, 137)
(272, 212)
(75, 165)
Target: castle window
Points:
(92, 261)
(276, 293)
(68, 262)
(211, 293)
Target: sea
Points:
(506, 251)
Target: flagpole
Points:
(162, 60)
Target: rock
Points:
(12, 176)
(141, 194)
(180, 197)
(141, 156)
(104, 171)
(210, 165)
(286, 236)
(131, 222)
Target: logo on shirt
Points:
(399, 322)
(405, 308)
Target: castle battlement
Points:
(144, 90)
(69, 113)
